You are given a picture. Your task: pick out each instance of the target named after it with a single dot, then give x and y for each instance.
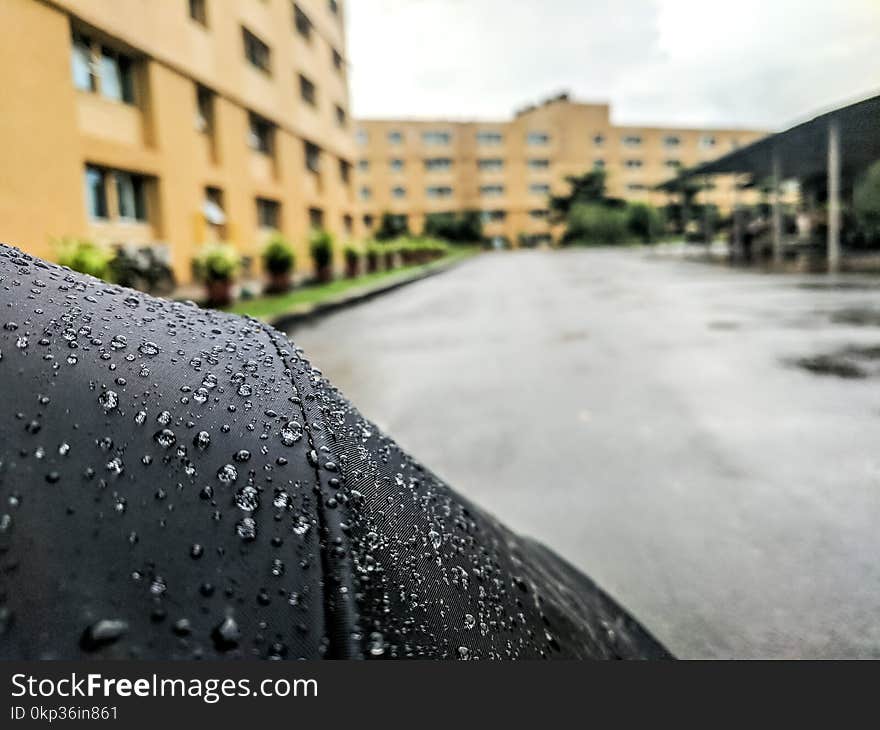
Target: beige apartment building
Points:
(507, 169)
(174, 122)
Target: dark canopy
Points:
(803, 149)
(179, 483)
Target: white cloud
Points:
(742, 62)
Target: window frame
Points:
(252, 42)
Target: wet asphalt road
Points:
(642, 417)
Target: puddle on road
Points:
(860, 316)
(837, 285)
(853, 362)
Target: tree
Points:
(584, 189)
(644, 221)
(392, 226)
(464, 227)
(595, 224)
(866, 202)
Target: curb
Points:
(290, 320)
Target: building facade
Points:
(507, 169)
(174, 123)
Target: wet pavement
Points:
(703, 442)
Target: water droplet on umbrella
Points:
(108, 400)
(103, 633)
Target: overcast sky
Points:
(760, 63)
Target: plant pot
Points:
(279, 282)
(324, 273)
(219, 292)
(352, 269)
(372, 263)
(389, 260)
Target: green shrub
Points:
(278, 255)
(216, 262)
(644, 222)
(592, 224)
(392, 226)
(866, 202)
(83, 255)
(321, 247)
(352, 255)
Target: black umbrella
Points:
(178, 483)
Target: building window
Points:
(212, 207)
(395, 137)
(539, 214)
(598, 140)
(671, 140)
(313, 157)
(438, 164)
(491, 191)
(117, 76)
(435, 137)
(365, 193)
(539, 164)
(396, 165)
(337, 60)
(199, 12)
(489, 137)
(633, 164)
(101, 69)
(490, 164)
(537, 138)
(345, 171)
(708, 141)
(493, 216)
(256, 52)
(130, 196)
(362, 137)
(348, 224)
(204, 110)
(316, 218)
(672, 163)
(307, 90)
(398, 192)
(363, 165)
(302, 23)
(439, 191)
(96, 193)
(341, 116)
(599, 163)
(260, 133)
(333, 6)
(368, 221)
(81, 63)
(633, 187)
(268, 213)
(632, 140)
(539, 189)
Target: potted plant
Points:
(279, 260)
(85, 256)
(321, 248)
(352, 261)
(372, 257)
(216, 267)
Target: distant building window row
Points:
(491, 191)
(439, 191)
(493, 216)
(539, 164)
(490, 164)
(99, 69)
(538, 138)
(438, 164)
(436, 138)
(539, 189)
(443, 137)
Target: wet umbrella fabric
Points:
(179, 483)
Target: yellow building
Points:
(507, 169)
(174, 122)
